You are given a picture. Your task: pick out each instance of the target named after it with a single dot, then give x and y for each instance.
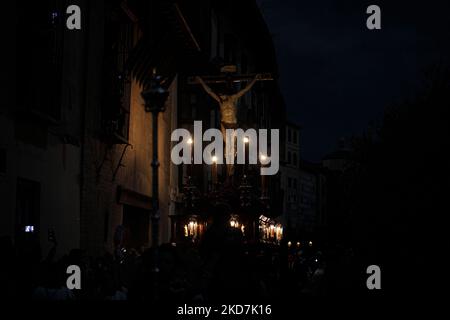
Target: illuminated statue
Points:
(228, 103)
(228, 100)
(228, 107)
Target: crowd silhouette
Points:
(222, 267)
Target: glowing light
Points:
(263, 157)
(246, 140)
(193, 229)
(214, 159)
(310, 243)
(190, 141)
(234, 223)
(298, 244)
(289, 243)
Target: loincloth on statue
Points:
(229, 125)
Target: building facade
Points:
(305, 196)
(75, 156)
(313, 199)
(42, 129)
(291, 177)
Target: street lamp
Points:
(155, 96)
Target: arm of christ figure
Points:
(208, 89)
(246, 89)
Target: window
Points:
(27, 206)
(117, 80)
(295, 184)
(294, 156)
(40, 28)
(295, 137)
(136, 223)
(289, 159)
(289, 134)
(289, 182)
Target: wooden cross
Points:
(230, 78)
(228, 101)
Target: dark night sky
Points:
(336, 75)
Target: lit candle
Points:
(191, 228)
(214, 170)
(263, 160)
(191, 156)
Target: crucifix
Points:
(228, 98)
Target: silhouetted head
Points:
(221, 212)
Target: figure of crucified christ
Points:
(228, 103)
(228, 108)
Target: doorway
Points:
(136, 222)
